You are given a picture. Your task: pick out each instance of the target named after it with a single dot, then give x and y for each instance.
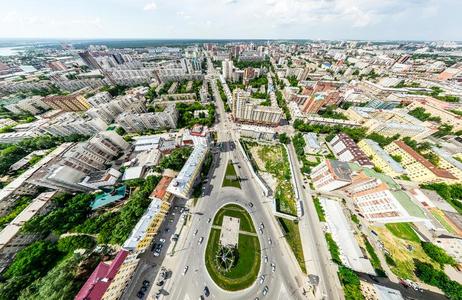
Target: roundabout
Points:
(233, 253)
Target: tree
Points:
(428, 274)
(283, 138)
(71, 243)
(438, 254)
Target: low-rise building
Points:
(73, 102)
(417, 167)
(257, 132)
(183, 184)
(381, 158)
(452, 245)
(345, 149)
(12, 239)
(331, 175)
(380, 199)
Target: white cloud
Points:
(150, 6)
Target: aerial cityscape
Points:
(231, 161)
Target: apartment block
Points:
(331, 175)
(132, 122)
(71, 123)
(66, 171)
(381, 158)
(74, 102)
(380, 199)
(182, 185)
(12, 239)
(32, 105)
(448, 163)
(248, 110)
(445, 115)
(417, 167)
(345, 149)
(99, 99)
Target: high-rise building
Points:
(89, 60)
(227, 69)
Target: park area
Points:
(246, 257)
(273, 160)
(231, 179)
(403, 245)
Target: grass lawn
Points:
(231, 171)
(293, 238)
(245, 272)
(403, 258)
(276, 162)
(442, 220)
(403, 231)
(374, 259)
(319, 209)
(234, 210)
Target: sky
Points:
(233, 19)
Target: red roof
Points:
(161, 188)
(98, 282)
(435, 170)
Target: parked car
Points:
(206, 291)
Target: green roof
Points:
(408, 205)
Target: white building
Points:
(331, 175)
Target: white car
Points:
(262, 279)
(265, 290)
(270, 241)
(195, 232)
(162, 241)
(185, 270)
(266, 259)
(200, 240)
(208, 221)
(273, 268)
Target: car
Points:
(160, 283)
(261, 231)
(200, 240)
(171, 220)
(146, 283)
(167, 229)
(156, 253)
(209, 219)
(185, 270)
(162, 241)
(262, 225)
(182, 210)
(273, 268)
(266, 259)
(250, 204)
(270, 241)
(140, 295)
(265, 290)
(154, 247)
(195, 232)
(262, 279)
(144, 289)
(206, 291)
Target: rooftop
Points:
(108, 197)
(98, 282)
(138, 233)
(435, 170)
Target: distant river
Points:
(8, 51)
